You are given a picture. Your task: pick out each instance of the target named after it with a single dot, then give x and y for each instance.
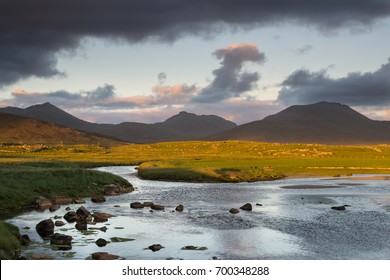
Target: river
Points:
(287, 223)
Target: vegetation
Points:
(9, 241)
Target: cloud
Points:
(304, 49)
(356, 89)
(33, 32)
(229, 81)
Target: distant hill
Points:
(183, 126)
(323, 122)
(21, 130)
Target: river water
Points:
(287, 223)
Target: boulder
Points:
(179, 208)
(42, 202)
(98, 199)
(83, 213)
(45, 228)
(136, 205)
(81, 225)
(54, 208)
(114, 189)
(61, 200)
(155, 247)
(104, 256)
(234, 211)
(59, 223)
(101, 217)
(71, 217)
(157, 207)
(246, 207)
(64, 242)
(25, 240)
(101, 242)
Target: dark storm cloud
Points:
(357, 89)
(229, 80)
(32, 32)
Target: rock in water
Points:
(64, 242)
(104, 256)
(98, 199)
(155, 247)
(101, 242)
(45, 228)
(137, 205)
(339, 208)
(246, 207)
(157, 207)
(234, 211)
(179, 208)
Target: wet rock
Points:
(234, 211)
(148, 204)
(246, 207)
(157, 207)
(54, 208)
(101, 242)
(79, 201)
(45, 228)
(81, 225)
(25, 240)
(83, 213)
(155, 247)
(98, 199)
(114, 189)
(61, 200)
(59, 223)
(42, 202)
(136, 205)
(259, 204)
(68, 209)
(179, 208)
(104, 256)
(71, 217)
(101, 217)
(339, 208)
(64, 242)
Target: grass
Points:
(9, 241)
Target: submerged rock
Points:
(339, 208)
(45, 228)
(234, 211)
(155, 247)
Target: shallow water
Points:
(290, 224)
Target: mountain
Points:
(21, 130)
(323, 122)
(184, 126)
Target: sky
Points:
(110, 61)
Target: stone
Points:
(157, 207)
(45, 228)
(136, 205)
(38, 256)
(59, 223)
(104, 256)
(54, 208)
(234, 211)
(148, 204)
(42, 202)
(81, 225)
(114, 189)
(61, 200)
(179, 208)
(246, 207)
(68, 209)
(98, 199)
(155, 247)
(101, 217)
(71, 217)
(259, 204)
(25, 240)
(339, 208)
(79, 201)
(62, 241)
(101, 242)
(83, 213)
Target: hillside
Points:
(183, 126)
(324, 122)
(22, 130)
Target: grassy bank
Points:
(9, 241)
